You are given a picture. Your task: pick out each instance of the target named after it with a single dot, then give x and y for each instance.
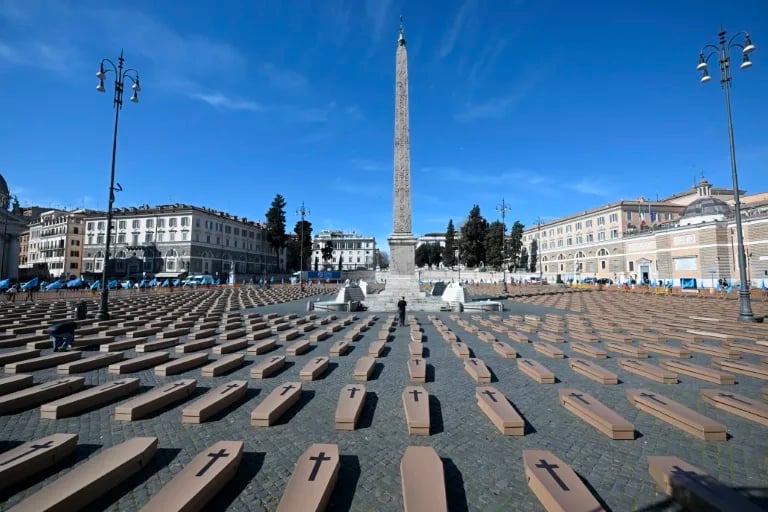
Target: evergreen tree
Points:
(276, 235)
(473, 238)
(524, 258)
(534, 254)
(317, 263)
(422, 255)
(449, 251)
(303, 232)
(494, 245)
(516, 243)
(435, 255)
(327, 251)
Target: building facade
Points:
(356, 252)
(11, 227)
(688, 236)
(54, 247)
(168, 241)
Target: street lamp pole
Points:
(303, 212)
(120, 76)
(503, 208)
(723, 53)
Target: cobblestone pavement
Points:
(484, 470)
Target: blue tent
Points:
(56, 285)
(96, 285)
(153, 282)
(217, 282)
(113, 284)
(31, 284)
(75, 283)
(177, 282)
(5, 284)
(166, 283)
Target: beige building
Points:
(688, 236)
(356, 251)
(55, 244)
(168, 241)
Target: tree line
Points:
(480, 244)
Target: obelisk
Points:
(402, 280)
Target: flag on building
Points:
(641, 214)
(650, 213)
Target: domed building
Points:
(706, 208)
(11, 226)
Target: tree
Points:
(435, 255)
(524, 258)
(341, 260)
(276, 235)
(303, 232)
(327, 251)
(317, 262)
(473, 238)
(422, 255)
(494, 245)
(516, 243)
(534, 254)
(292, 258)
(382, 259)
(449, 251)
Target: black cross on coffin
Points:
(287, 389)
(32, 449)
(55, 383)
(415, 394)
(352, 392)
(229, 387)
(213, 458)
(319, 459)
(490, 394)
(652, 396)
(174, 386)
(578, 396)
(550, 468)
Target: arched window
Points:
(170, 260)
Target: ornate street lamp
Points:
(503, 208)
(722, 50)
(120, 76)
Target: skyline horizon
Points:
(300, 102)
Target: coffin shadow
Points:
(435, 416)
(344, 492)
(250, 465)
(305, 397)
(377, 369)
(454, 487)
(369, 410)
(250, 394)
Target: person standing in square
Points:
(401, 304)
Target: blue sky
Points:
(554, 108)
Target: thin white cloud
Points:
(220, 101)
(282, 78)
(591, 187)
(500, 106)
(365, 164)
(457, 27)
(379, 16)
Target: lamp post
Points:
(503, 208)
(303, 212)
(724, 58)
(3, 203)
(120, 76)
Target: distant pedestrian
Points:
(401, 304)
(12, 293)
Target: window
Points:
(100, 239)
(172, 222)
(160, 236)
(172, 235)
(602, 264)
(568, 228)
(147, 237)
(76, 230)
(588, 223)
(614, 234)
(90, 226)
(121, 224)
(160, 223)
(601, 236)
(579, 239)
(590, 237)
(149, 223)
(613, 218)
(185, 221)
(135, 239)
(629, 215)
(560, 242)
(601, 221)
(101, 224)
(121, 238)
(578, 226)
(631, 266)
(135, 224)
(569, 241)
(184, 235)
